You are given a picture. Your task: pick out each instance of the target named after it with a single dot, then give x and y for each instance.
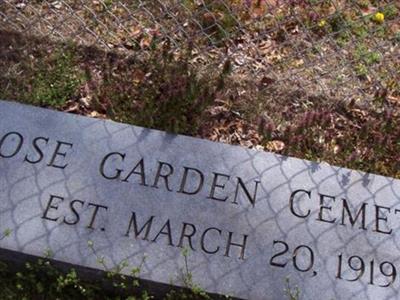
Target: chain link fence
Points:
(341, 48)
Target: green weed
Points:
(57, 80)
(292, 293)
(365, 59)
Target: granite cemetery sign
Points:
(248, 219)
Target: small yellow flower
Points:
(321, 23)
(379, 17)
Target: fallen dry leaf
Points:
(275, 146)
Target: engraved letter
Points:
(18, 146)
(379, 217)
(242, 246)
(353, 220)
(146, 226)
(252, 199)
(51, 206)
(73, 209)
(215, 184)
(188, 235)
(58, 153)
(167, 233)
(140, 164)
(291, 201)
(184, 179)
(322, 207)
(203, 237)
(103, 162)
(165, 176)
(38, 150)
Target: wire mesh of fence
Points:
(345, 47)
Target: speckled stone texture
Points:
(86, 189)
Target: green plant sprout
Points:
(6, 233)
(292, 293)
